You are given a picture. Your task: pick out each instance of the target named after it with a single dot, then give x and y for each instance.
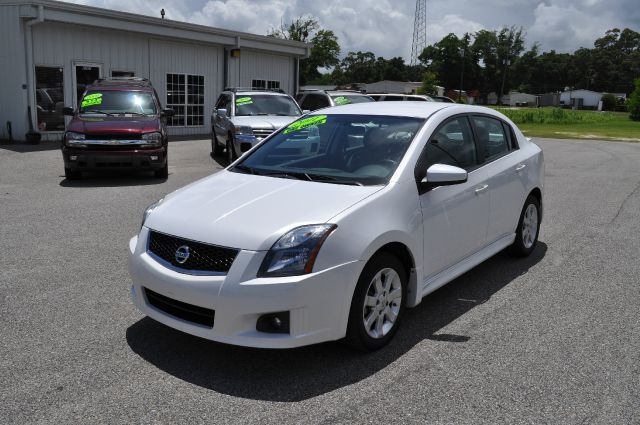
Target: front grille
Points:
(202, 258)
(262, 132)
(113, 136)
(189, 312)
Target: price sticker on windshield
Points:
(244, 101)
(341, 100)
(92, 99)
(306, 123)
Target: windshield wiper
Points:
(289, 175)
(98, 112)
(138, 114)
(245, 168)
(323, 178)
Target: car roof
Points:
(345, 93)
(112, 85)
(255, 92)
(403, 109)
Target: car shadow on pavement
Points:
(302, 373)
(48, 145)
(113, 179)
(221, 160)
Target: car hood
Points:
(105, 124)
(264, 121)
(250, 212)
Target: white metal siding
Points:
(13, 98)
(173, 57)
(266, 66)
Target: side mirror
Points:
(221, 113)
(167, 113)
(68, 111)
(443, 175)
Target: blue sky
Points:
(385, 26)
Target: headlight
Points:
(153, 139)
(74, 139)
(244, 130)
(295, 253)
(149, 210)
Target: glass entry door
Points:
(85, 74)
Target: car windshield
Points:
(117, 102)
(345, 99)
(359, 150)
(264, 104)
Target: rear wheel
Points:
(378, 303)
(528, 228)
(72, 174)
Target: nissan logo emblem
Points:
(182, 254)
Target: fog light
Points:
(274, 323)
(73, 157)
(154, 157)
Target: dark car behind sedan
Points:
(118, 125)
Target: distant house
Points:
(580, 99)
(522, 99)
(404, 87)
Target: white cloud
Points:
(385, 27)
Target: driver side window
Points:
(452, 144)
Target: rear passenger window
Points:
(452, 144)
(393, 98)
(492, 141)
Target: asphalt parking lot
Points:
(553, 338)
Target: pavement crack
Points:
(624, 202)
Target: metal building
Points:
(49, 51)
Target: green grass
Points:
(569, 124)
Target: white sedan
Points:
(337, 223)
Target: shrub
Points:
(634, 102)
(609, 102)
(554, 116)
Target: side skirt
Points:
(440, 279)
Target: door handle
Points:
(481, 189)
(520, 167)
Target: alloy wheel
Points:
(529, 226)
(382, 303)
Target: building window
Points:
(265, 84)
(185, 95)
(123, 74)
(49, 98)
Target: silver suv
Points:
(317, 99)
(243, 117)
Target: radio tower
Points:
(419, 31)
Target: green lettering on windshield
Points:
(341, 100)
(244, 101)
(91, 99)
(305, 123)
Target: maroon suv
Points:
(119, 125)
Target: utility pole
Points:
(419, 31)
(506, 63)
(462, 51)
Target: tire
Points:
(231, 154)
(72, 174)
(163, 172)
(528, 228)
(386, 269)
(216, 149)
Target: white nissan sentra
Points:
(337, 223)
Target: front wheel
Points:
(72, 174)
(216, 149)
(528, 228)
(163, 172)
(378, 303)
(231, 155)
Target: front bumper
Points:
(86, 159)
(318, 303)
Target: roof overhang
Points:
(55, 11)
